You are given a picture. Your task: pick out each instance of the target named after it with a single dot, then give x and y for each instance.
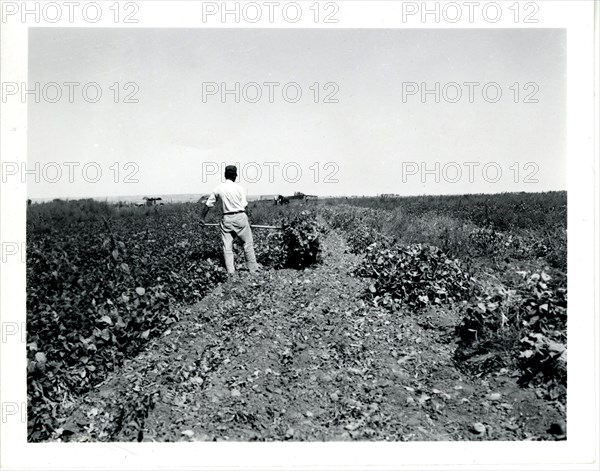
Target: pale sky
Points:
(371, 136)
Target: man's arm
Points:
(205, 210)
(210, 202)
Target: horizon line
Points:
(258, 196)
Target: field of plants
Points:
(102, 280)
(512, 283)
(370, 320)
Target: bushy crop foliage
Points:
(297, 245)
(362, 226)
(524, 328)
(301, 239)
(97, 290)
(501, 228)
(503, 212)
(102, 281)
(412, 275)
(511, 324)
(415, 276)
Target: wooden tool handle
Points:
(258, 226)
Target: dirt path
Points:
(297, 355)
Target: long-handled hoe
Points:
(254, 226)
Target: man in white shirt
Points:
(235, 220)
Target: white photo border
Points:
(579, 451)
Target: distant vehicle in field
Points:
(150, 201)
(302, 196)
(297, 196)
(280, 200)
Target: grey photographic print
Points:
(306, 224)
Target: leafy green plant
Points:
(362, 226)
(301, 239)
(523, 328)
(542, 356)
(416, 275)
(488, 331)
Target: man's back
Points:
(231, 195)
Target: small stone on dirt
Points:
(235, 393)
(424, 398)
(478, 428)
(495, 396)
(353, 426)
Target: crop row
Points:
(521, 327)
(101, 283)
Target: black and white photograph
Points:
(308, 224)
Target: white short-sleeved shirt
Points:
(231, 195)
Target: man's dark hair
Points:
(231, 172)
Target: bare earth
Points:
(297, 355)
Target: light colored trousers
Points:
(237, 225)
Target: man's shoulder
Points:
(232, 185)
(227, 187)
(220, 187)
